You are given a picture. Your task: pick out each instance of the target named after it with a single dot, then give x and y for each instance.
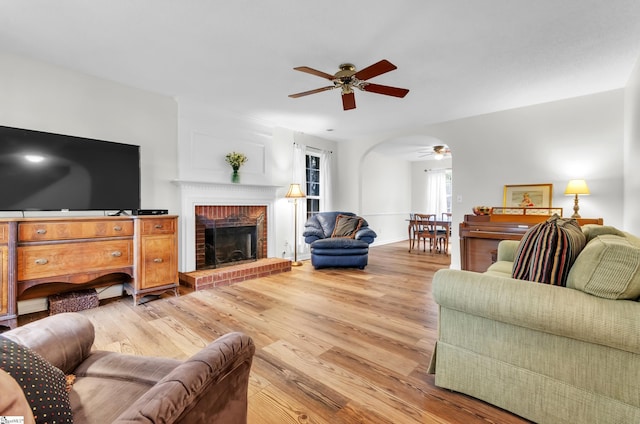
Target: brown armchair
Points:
(111, 387)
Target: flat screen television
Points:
(47, 172)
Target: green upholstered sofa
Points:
(548, 353)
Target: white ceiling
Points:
(458, 57)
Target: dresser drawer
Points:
(4, 232)
(69, 258)
(69, 230)
(159, 265)
(158, 226)
(4, 285)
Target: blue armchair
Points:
(338, 239)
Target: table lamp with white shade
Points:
(576, 187)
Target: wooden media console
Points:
(44, 256)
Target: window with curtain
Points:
(439, 189)
(313, 171)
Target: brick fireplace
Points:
(227, 205)
(229, 235)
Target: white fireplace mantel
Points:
(202, 193)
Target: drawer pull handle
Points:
(116, 254)
(158, 260)
(42, 261)
(158, 226)
(41, 231)
(117, 228)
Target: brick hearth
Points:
(210, 278)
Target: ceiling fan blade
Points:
(374, 70)
(314, 72)
(385, 89)
(348, 101)
(317, 90)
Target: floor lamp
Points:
(295, 193)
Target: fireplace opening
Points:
(230, 235)
(230, 246)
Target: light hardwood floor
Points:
(332, 346)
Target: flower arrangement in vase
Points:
(235, 160)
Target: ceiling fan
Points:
(347, 78)
(436, 152)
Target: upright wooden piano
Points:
(481, 234)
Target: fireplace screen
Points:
(230, 245)
(229, 235)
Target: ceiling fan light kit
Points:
(436, 152)
(347, 78)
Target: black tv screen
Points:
(45, 171)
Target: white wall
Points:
(206, 134)
(43, 97)
(632, 153)
(546, 143)
(386, 195)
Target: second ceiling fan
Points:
(347, 78)
(436, 152)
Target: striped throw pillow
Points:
(547, 251)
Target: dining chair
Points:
(444, 230)
(446, 217)
(413, 236)
(427, 228)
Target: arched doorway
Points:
(394, 178)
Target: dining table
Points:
(444, 224)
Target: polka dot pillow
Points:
(43, 384)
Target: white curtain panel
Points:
(325, 181)
(436, 198)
